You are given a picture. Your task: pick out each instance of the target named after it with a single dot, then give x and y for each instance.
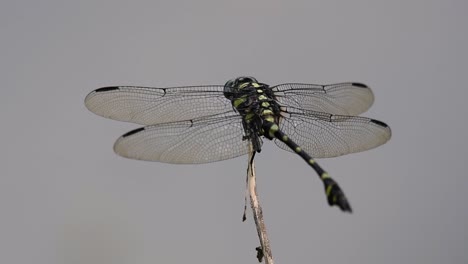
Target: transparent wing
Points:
(338, 99)
(186, 142)
(323, 135)
(149, 106)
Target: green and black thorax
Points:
(257, 105)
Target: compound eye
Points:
(230, 83)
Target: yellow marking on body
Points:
(285, 138)
(273, 130)
(265, 104)
(269, 118)
(242, 86)
(328, 191)
(324, 175)
(256, 85)
(267, 112)
(311, 161)
(298, 149)
(249, 116)
(262, 97)
(239, 101)
(259, 91)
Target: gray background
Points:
(65, 197)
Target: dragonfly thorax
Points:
(256, 104)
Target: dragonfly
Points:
(208, 123)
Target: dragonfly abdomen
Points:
(335, 195)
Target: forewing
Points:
(323, 135)
(338, 99)
(149, 106)
(186, 142)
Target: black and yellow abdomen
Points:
(260, 112)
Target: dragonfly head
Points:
(235, 85)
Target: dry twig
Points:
(264, 251)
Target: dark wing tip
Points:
(133, 132)
(377, 122)
(106, 89)
(360, 85)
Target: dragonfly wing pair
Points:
(183, 125)
(197, 124)
(322, 119)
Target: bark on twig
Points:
(264, 250)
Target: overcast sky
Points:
(65, 197)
